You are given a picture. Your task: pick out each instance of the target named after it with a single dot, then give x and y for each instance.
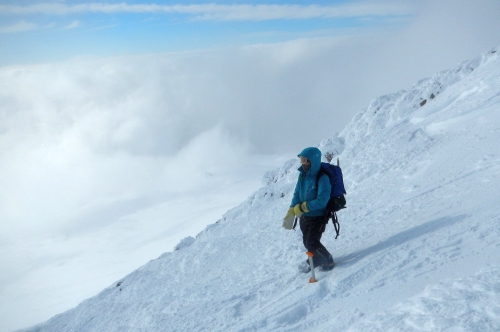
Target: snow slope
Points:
(419, 248)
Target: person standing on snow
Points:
(309, 202)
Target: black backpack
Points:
(337, 199)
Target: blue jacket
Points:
(306, 190)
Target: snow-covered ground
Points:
(419, 248)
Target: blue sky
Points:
(46, 31)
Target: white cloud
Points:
(221, 12)
(20, 26)
(73, 25)
(81, 137)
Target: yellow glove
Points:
(304, 207)
(289, 213)
(289, 219)
(296, 210)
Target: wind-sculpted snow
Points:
(466, 304)
(419, 244)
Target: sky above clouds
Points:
(36, 31)
(113, 112)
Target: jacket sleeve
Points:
(296, 199)
(324, 190)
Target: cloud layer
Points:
(89, 141)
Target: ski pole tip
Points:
(312, 280)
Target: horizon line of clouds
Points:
(235, 12)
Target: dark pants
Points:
(312, 229)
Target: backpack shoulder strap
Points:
(320, 174)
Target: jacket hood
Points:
(314, 156)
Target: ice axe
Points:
(311, 265)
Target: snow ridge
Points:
(389, 110)
(419, 240)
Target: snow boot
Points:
(328, 267)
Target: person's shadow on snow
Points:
(400, 238)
